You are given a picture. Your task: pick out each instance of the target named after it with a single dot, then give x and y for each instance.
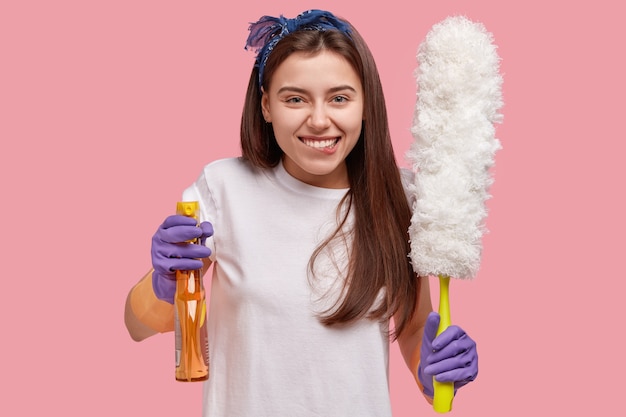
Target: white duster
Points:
(459, 97)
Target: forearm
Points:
(410, 348)
(410, 341)
(144, 314)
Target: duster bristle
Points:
(459, 97)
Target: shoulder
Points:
(228, 166)
(219, 181)
(228, 171)
(232, 175)
(214, 175)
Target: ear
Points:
(265, 106)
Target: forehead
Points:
(325, 69)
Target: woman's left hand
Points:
(449, 357)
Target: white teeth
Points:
(320, 144)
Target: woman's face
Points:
(315, 105)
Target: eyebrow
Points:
(303, 91)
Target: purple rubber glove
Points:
(450, 357)
(171, 251)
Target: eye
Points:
(294, 100)
(340, 99)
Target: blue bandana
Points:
(269, 30)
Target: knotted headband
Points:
(269, 30)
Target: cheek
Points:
(355, 122)
(284, 129)
(283, 123)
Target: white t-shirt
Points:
(269, 354)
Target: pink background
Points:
(108, 109)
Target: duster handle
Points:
(443, 391)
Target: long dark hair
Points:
(380, 244)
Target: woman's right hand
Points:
(171, 251)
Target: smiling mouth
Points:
(320, 144)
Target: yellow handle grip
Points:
(443, 391)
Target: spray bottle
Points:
(191, 341)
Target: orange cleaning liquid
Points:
(191, 341)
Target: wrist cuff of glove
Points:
(154, 313)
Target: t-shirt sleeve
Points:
(408, 183)
(199, 191)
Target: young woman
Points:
(310, 245)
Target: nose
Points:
(319, 118)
